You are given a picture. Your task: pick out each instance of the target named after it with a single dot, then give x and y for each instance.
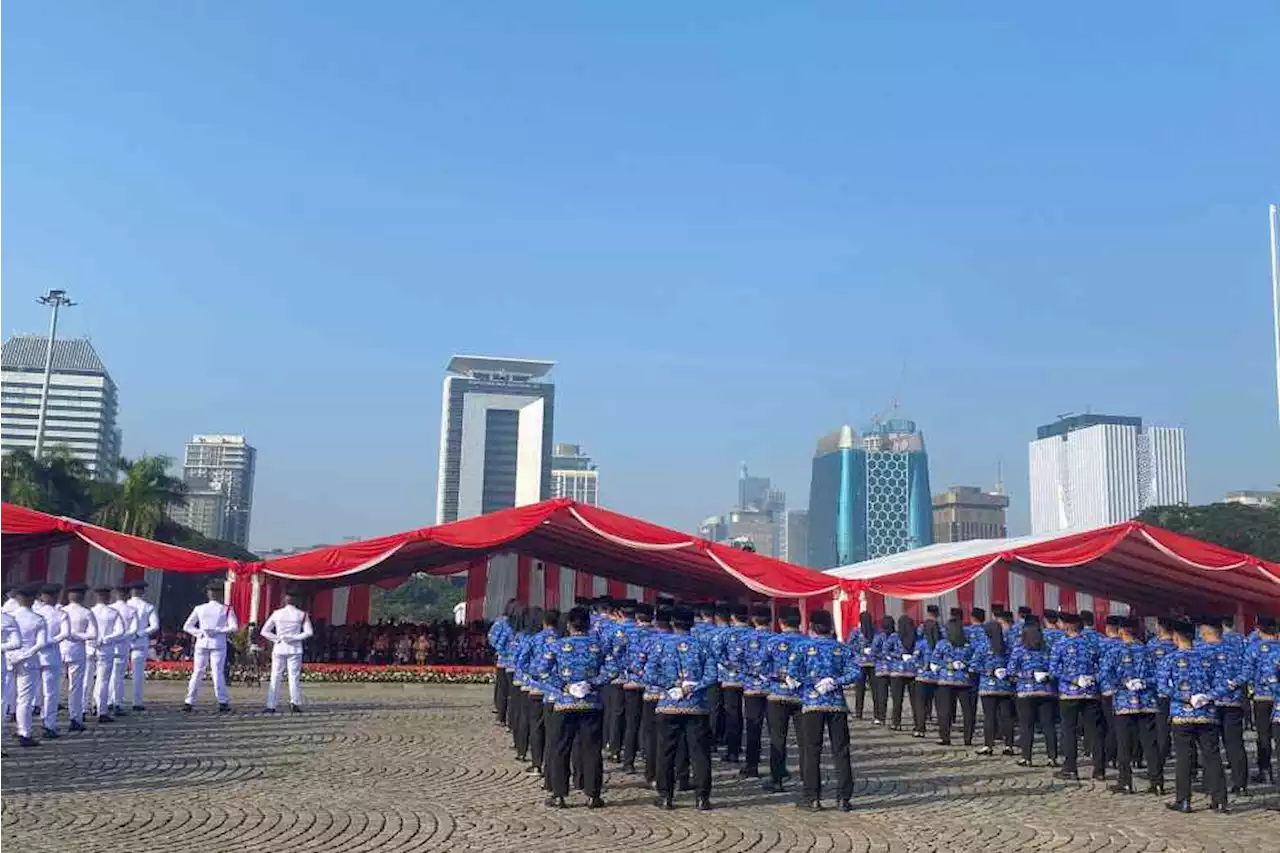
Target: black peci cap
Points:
(51, 589)
(78, 587)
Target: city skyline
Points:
(724, 258)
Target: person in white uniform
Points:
(148, 623)
(82, 628)
(100, 654)
(57, 629)
(25, 660)
(210, 624)
(10, 641)
(287, 629)
(122, 648)
(6, 687)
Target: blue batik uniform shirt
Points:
(945, 656)
(1229, 659)
(755, 679)
(573, 659)
(1124, 664)
(1260, 662)
(1073, 659)
(1188, 672)
(777, 658)
(819, 658)
(677, 659)
(1024, 663)
(499, 632)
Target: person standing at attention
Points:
(210, 624)
(287, 629)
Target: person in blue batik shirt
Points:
(975, 631)
(1229, 658)
(902, 669)
(652, 694)
(883, 667)
(1161, 646)
(995, 689)
(784, 697)
(861, 642)
(1074, 663)
(523, 677)
(750, 650)
(1128, 668)
(926, 675)
(824, 667)
(1261, 659)
(684, 668)
(1036, 694)
(631, 659)
(729, 648)
(1192, 683)
(621, 634)
(576, 668)
(499, 632)
(953, 657)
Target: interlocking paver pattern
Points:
(391, 768)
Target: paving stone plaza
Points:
(389, 768)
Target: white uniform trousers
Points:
(215, 661)
(26, 678)
(279, 663)
(75, 670)
(6, 690)
(119, 663)
(138, 658)
(50, 689)
(102, 669)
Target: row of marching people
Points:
(670, 684)
(1133, 700)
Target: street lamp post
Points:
(55, 299)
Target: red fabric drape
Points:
(616, 589)
(38, 566)
(583, 585)
(964, 598)
(477, 583)
(849, 614)
(77, 562)
(241, 596)
(1000, 585)
(1035, 595)
(136, 573)
(524, 570)
(358, 601)
(914, 609)
(551, 585)
(322, 605)
(1101, 607)
(1066, 599)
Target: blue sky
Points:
(735, 226)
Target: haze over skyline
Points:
(733, 227)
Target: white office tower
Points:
(495, 436)
(1093, 470)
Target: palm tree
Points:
(58, 483)
(137, 504)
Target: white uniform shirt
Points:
(129, 621)
(31, 629)
(148, 622)
(10, 605)
(110, 629)
(10, 639)
(56, 630)
(210, 623)
(288, 628)
(82, 628)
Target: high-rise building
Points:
(574, 475)
(218, 471)
(869, 495)
(758, 528)
(962, 513)
(797, 550)
(1253, 497)
(495, 436)
(714, 529)
(81, 415)
(1091, 470)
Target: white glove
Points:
(1134, 684)
(675, 694)
(1040, 676)
(957, 665)
(1082, 681)
(15, 657)
(1199, 700)
(866, 650)
(687, 686)
(825, 686)
(906, 658)
(1001, 672)
(791, 683)
(933, 667)
(579, 689)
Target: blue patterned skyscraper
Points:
(869, 495)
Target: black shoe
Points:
(555, 802)
(877, 722)
(809, 805)
(1053, 762)
(48, 734)
(944, 743)
(1220, 808)
(917, 733)
(595, 803)
(186, 708)
(1264, 776)
(984, 750)
(968, 741)
(1099, 775)
(139, 708)
(1155, 788)
(295, 709)
(27, 741)
(1121, 789)
(76, 726)
(846, 805)
(1239, 790)
(615, 757)
(704, 804)
(629, 769)
(772, 787)
(119, 712)
(533, 768)
(1069, 775)
(521, 758)
(1024, 762)
(731, 759)
(664, 803)
(103, 718)
(684, 785)
(1184, 807)
(224, 709)
(748, 773)
(1008, 750)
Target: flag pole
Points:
(1275, 291)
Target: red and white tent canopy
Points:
(1150, 568)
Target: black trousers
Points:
(1262, 726)
(694, 730)
(551, 721)
(948, 696)
(865, 683)
(997, 719)
(537, 730)
(1137, 729)
(578, 730)
(519, 702)
(925, 691)
(753, 714)
(900, 686)
(1231, 727)
(715, 702)
(880, 698)
(1164, 733)
(500, 686)
(649, 737)
(1082, 715)
(1110, 744)
(969, 712)
(1037, 711)
(731, 699)
(513, 704)
(780, 715)
(1186, 738)
(632, 714)
(811, 726)
(613, 719)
